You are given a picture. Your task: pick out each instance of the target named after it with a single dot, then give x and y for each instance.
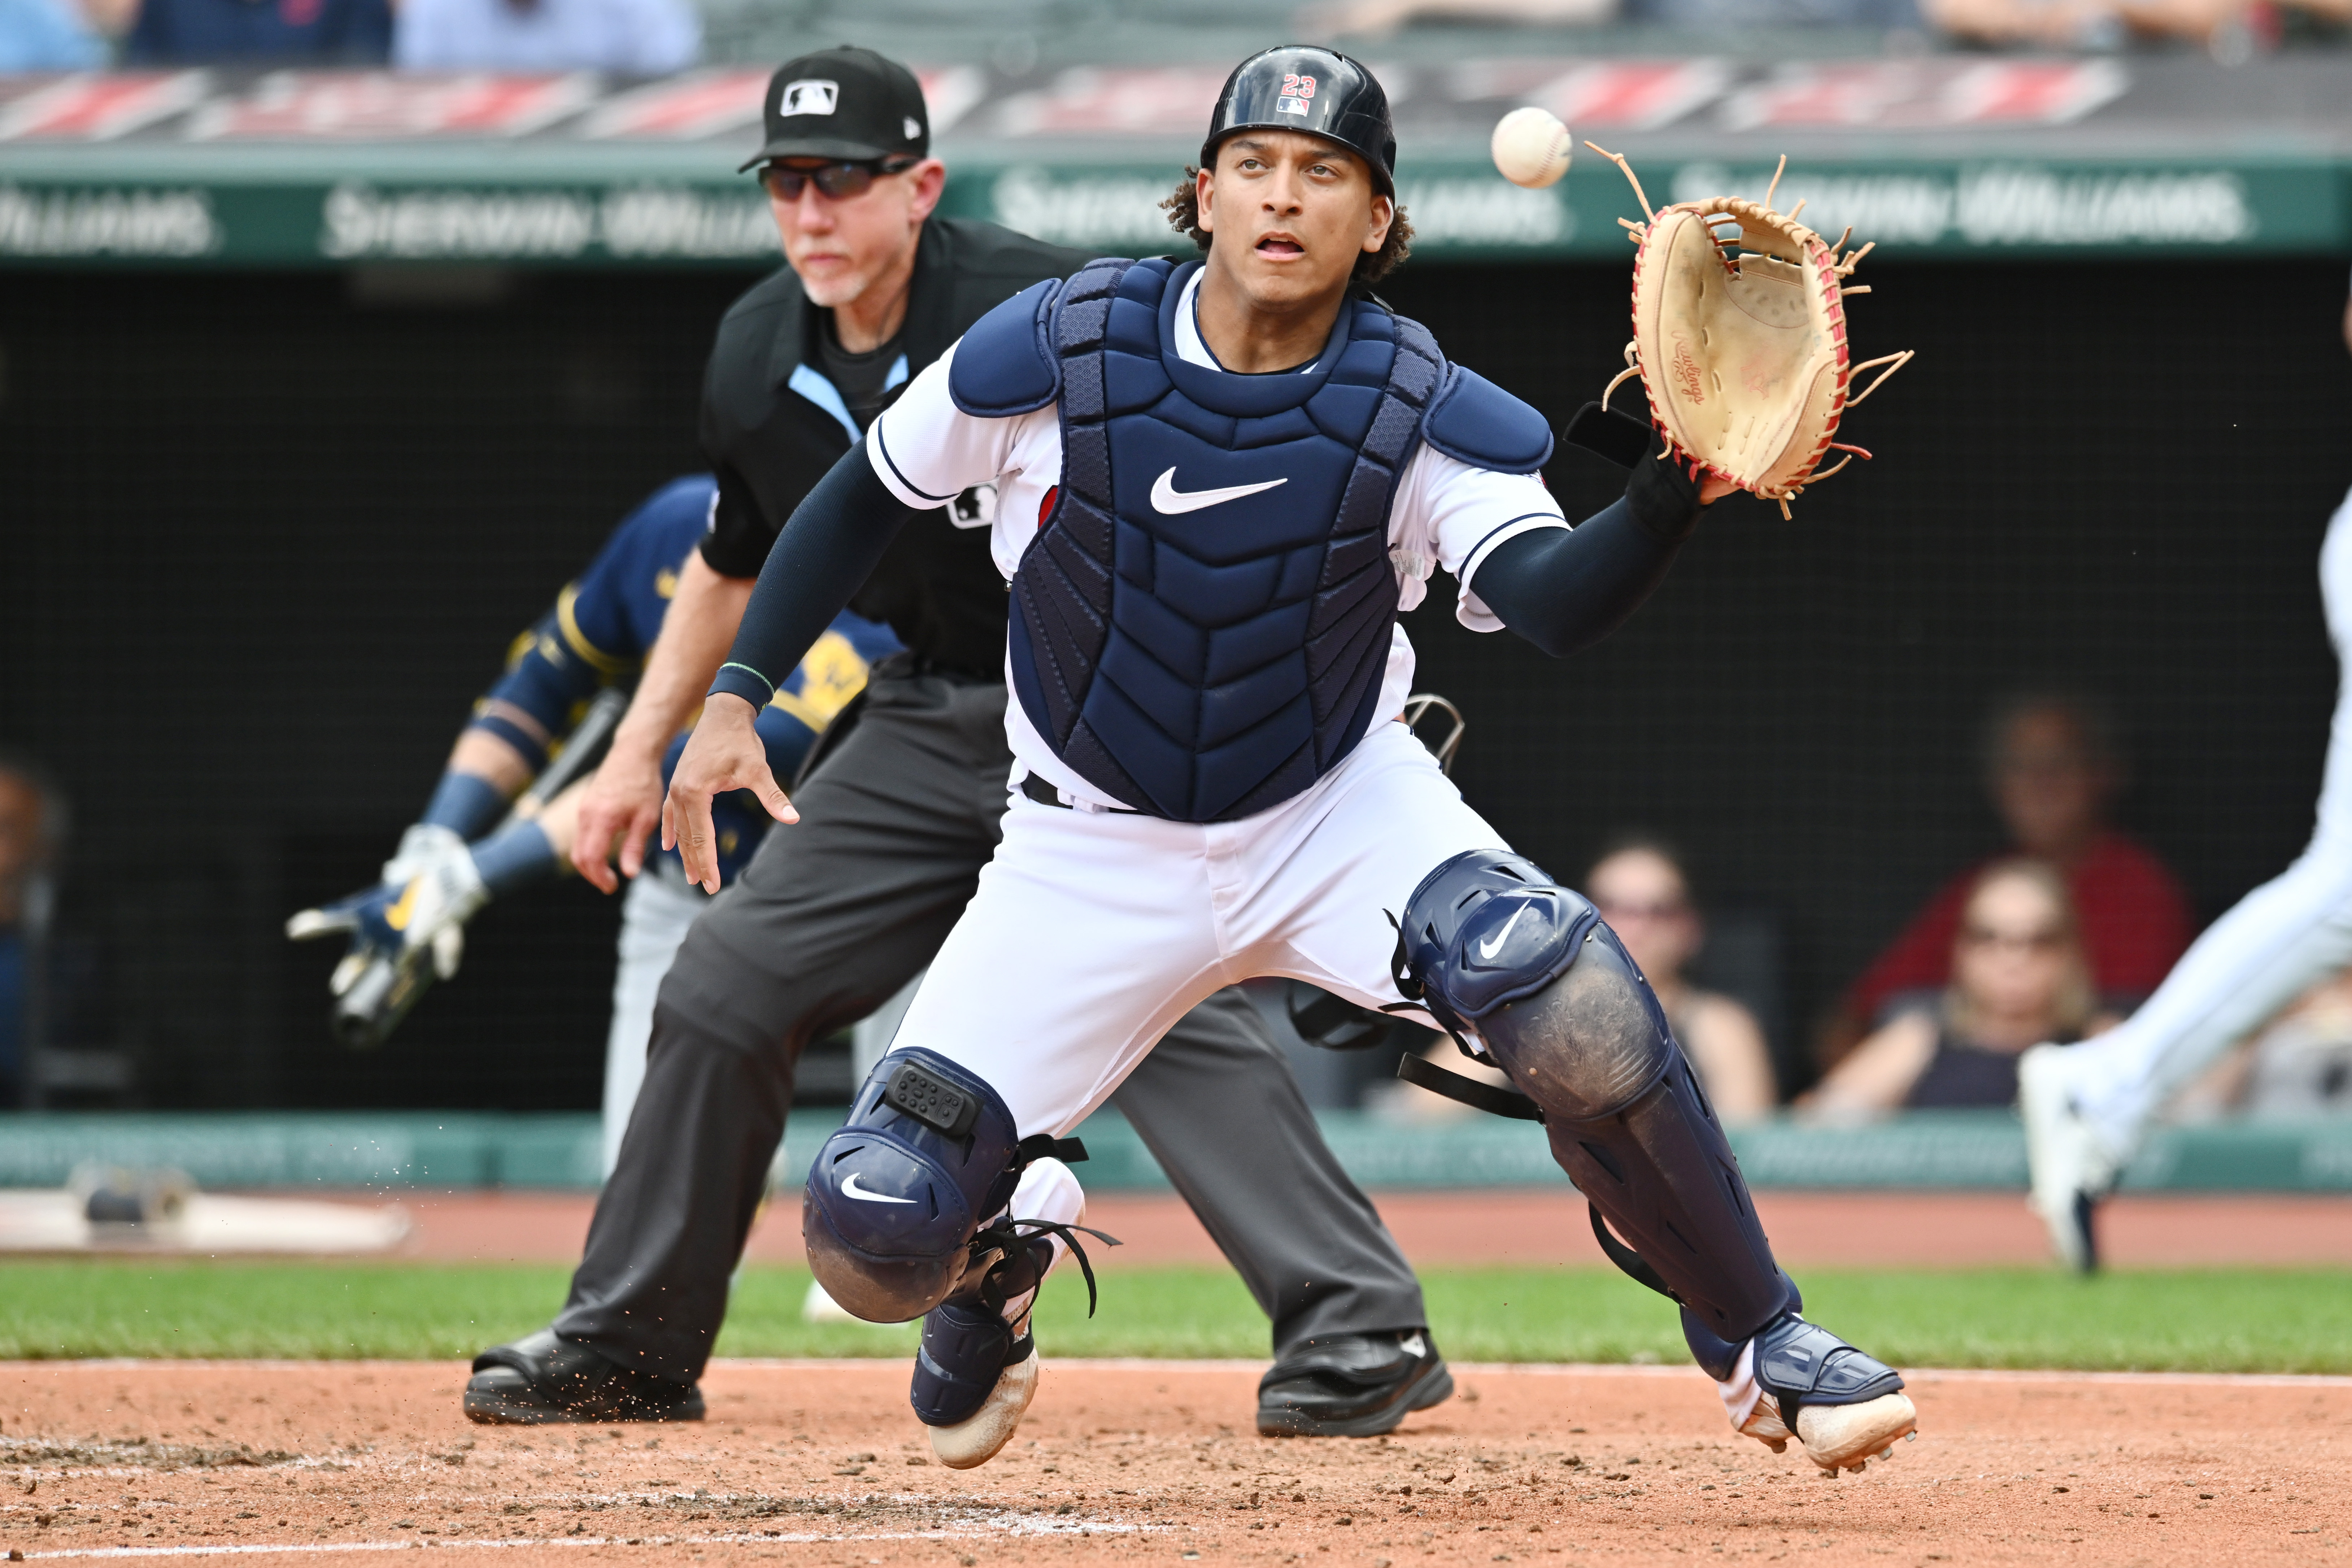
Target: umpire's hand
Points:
(618, 811)
(723, 753)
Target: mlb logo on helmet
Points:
(809, 97)
(1295, 92)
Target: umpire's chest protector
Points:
(1201, 623)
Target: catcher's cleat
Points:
(541, 1381)
(2072, 1170)
(976, 1369)
(1352, 1385)
(975, 1377)
(1839, 1404)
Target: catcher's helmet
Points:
(1300, 87)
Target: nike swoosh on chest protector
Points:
(1166, 498)
(855, 1191)
(1489, 948)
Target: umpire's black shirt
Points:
(937, 586)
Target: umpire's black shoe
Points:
(541, 1380)
(1352, 1385)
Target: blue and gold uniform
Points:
(603, 623)
(451, 862)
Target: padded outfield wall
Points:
(300, 422)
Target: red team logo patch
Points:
(1298, 95)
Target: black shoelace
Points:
(1006, 1236)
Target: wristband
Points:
(1663, 498)
(742, 681)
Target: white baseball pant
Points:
(1093, 931)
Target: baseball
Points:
(1531, 147)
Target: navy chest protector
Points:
(1201, 627)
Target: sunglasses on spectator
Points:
(837, 181)
(2026, 941)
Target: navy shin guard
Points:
(1524, 973)
(1661, 1172)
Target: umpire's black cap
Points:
(1299, 86)
(849, 103)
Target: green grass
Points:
(2201, 1320)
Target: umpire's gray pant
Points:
(830, 918)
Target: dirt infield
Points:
(819, 1463)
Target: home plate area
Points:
(820, 1462)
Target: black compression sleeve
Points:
(826, 551)
(1564, 590)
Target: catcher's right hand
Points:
(725, 752)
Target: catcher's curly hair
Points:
(1184, 209)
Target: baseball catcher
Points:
(1218, 484)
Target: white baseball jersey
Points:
(1445, 514)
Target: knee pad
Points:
(930, 1153)
(1524, 973)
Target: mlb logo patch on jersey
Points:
(809, 97)
(1297, 91)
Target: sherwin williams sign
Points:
(1949, 154)
(222, 214)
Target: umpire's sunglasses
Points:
(838, 181)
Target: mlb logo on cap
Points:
(1295, 92)
(809, 98)
(842, 104)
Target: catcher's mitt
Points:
(1740, 339)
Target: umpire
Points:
(899, 812)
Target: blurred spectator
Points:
(1640, 888)
(46, 35)
(53, 997)
(2225, 26)
(1713, 16)
(31, 826)
(1383, 17)
(626, 37)
(1379, 17)
(2053, 768)
(278, 32)
(2299, 1065)
(2019, 977)
(2302, 1064)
